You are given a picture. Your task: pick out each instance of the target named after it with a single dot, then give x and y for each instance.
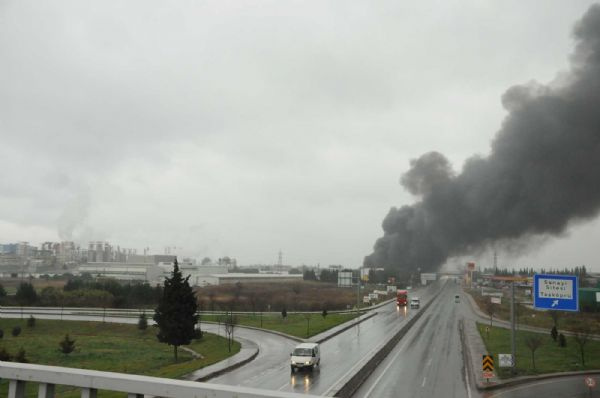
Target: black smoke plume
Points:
(542, 174)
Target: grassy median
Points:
(109, 347)
(543, 319)
(299, 325)
(549, 357)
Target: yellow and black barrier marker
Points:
(488, 363)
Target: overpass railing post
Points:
(16, 389)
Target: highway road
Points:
(428, 360)
(271, 368)
(339, 355)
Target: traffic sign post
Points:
(555, 292)
(590, 382)
(488, 376)
(505, 360)
(487, 364)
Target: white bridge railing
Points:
(90, 381)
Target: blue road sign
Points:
(555, 292)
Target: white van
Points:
(305, 356)
(415, 302)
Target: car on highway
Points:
(457, 299)
(415, 302)
(305, 356)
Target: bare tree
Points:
(237, 292)
(211, 299)
(582, 335)
(490, 309)
(555, 315)
(253, 299)
(261, 305)
(296, 288)
(307, 316)
(230, 322)
(533, 342)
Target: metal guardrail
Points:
(90, 381)
(136, 312)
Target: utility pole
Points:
(357, 301)
(513, 345)
(357, 292)
(495, 262)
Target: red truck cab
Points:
(401, 298)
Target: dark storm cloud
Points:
(543, 172)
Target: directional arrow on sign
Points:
(554, 303)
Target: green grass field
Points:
(528, 316)
(294, 324)
(109, 347)
(549, 357)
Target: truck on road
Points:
(401, 298)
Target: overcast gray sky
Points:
(243, 127)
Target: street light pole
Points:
(357, 301)
(513, 344)
(357, 279)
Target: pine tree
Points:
(21, 357)
(66, 345)
(16, 331)
(554, 333)
(142, 322)
(4, 355)
(26, 294)
(175, 315)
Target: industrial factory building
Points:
(231, 278)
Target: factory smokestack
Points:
(542, 174)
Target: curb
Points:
(354, 322)
(229, 369)
(527, 379)
(351, 325)
(288, 336)
(244, 361)
(466, 351)
(226, 369)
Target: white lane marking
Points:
(468, 384)
(424, 378)
(283, 386)
(356, 365)
(428, 362)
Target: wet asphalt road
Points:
(567, 387)
(339, 355)
(428, 361)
